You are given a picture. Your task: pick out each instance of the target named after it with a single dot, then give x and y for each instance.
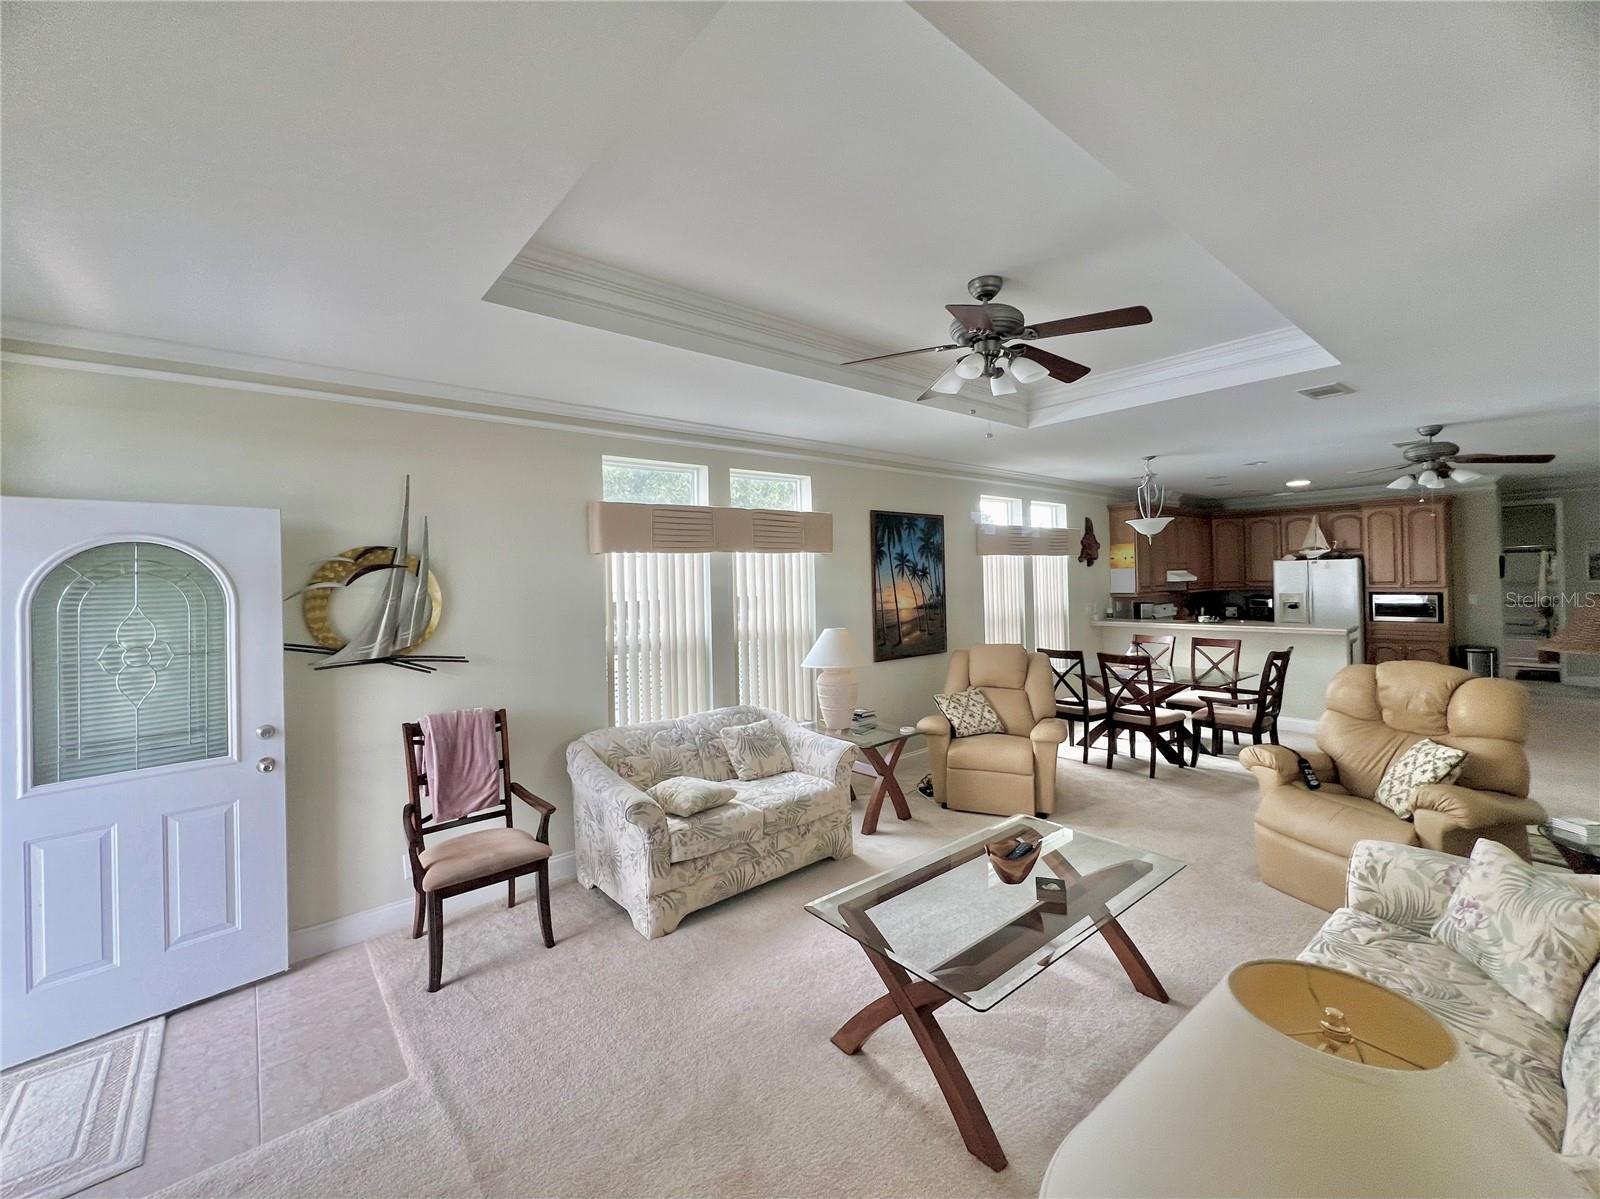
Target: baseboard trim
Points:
(317, 939)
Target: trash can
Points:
(1482, 660)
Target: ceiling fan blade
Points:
(1504, 458)
(1115, 318)
(1404, 466)
(974, 317)
(1060, 368)
(898, 354)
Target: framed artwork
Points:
(908, 613)
(1593, 556)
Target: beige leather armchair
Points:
(1005, 774)
(1374, 714)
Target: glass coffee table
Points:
(945, 926)
(872, 740)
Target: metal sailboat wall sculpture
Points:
(400, 618)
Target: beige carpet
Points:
(700, 1063)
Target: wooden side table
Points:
(873, 740)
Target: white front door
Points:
(142, 804)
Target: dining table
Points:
(1164, 684)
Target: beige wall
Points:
(1475, 567)
(523, 598)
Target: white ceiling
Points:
(328, 192)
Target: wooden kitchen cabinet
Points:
(1380, 544)
(1188, 547)
(1295, 527)
(1343, 530)
(1227, 552)
(1262, 547)
(1408, 643)
(1425, 545)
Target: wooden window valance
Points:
(1026, 541)
(701, 529)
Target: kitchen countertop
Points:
(1225, 626)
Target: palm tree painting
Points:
(908, 618)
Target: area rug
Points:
(79, 1116)
(700, 1063)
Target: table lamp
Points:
(1295, 1079)
(835, 656)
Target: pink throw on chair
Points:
(462, 762)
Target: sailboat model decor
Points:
(1315, 544)
(403, 616)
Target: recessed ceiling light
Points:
(1298, 483)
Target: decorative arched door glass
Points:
(129, 662)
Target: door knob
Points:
(267, 731)
(267, 765)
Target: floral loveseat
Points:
(660, 867)
(1394, 895)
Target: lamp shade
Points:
(1295, 1079)
(835, 649)
(1581, 633)
(1149, 525)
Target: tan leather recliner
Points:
(1005, 774)
(1374, 714)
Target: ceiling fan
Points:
(998, 339)
(1434, 464)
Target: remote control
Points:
(1308, 774)
(1021, 850)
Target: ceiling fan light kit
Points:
(998, 339)
(1440, 462)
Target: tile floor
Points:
(261, 1061)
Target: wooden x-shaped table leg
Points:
(915, 1001)
(886, 785)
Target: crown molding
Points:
(583, 290)
(90, 351)
(1332, 496)
(1261, 356)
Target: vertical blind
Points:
(658, 631)
(1050, 602)
(776, 622)
(1004, 600)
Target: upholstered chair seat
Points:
(1374, 714)
(1005, 774)
(474, 855)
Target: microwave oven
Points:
(1411, 608)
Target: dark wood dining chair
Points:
(1248, 710)
(1128, 682)
(1158, 647)
(1213, 669)
(471, 860)
(1075, 702)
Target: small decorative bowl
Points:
(1013, 870)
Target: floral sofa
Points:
(660, 867)
(1394, 895)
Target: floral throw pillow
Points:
(969, 712)
(1531, 931)
(1424, 763)
(685, 796)
(756, 750)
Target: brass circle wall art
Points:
(344, 567)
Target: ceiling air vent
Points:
(1326, 392)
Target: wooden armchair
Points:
(1245, 710)
(472, 860)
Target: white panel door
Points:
(142, 804)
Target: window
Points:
(1049, 581)
(658, 632)
(1004, 587)
(1024, 593)
(775, 602)
(129, 666)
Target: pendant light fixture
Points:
(1150, 498)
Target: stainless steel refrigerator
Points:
(1322, 593)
